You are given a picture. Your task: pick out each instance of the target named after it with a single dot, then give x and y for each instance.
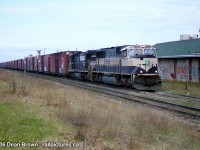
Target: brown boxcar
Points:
(12, 64)
(28, 64)
(23, 63)
(19, 62)
(53, 63)
(35, 68)
(24, 66)
(9, 64)
(46, 63)
(64, 62)
(2, 65)
(15, 64)
(31, 63)
(41, 63)
(59, 62)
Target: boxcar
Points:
(31, 63)
(64, 62)
(40, 63)
(59, 62)
(19, 62)
(54, 63)
(46, 63)
(23, 63)
(27, 64)
(12, 64)
(15, 64)
(35, 68)
(2, 65)
(8, 65)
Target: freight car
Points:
(20, 64)
(59, 62)
(40, 62)
(133, 66)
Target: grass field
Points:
(18, 122)
(47, 111)
(180, 87)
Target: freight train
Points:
(134, 66)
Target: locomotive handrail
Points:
(133, 73)
(134, 70)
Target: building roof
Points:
(178, 49)
(180, 56)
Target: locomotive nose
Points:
(147, 63)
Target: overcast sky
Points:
(27, 25)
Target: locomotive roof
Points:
(107, 48)
(89, 52)
(136, 46)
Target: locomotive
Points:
(134, 66)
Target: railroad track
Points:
(177, 96)
(146, 98)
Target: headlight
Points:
(141, 71)
(156, 71)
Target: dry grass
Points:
(106, 124)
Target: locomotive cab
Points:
(141, 63)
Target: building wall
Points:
(195, 70)
(167, 68)
(182, 69)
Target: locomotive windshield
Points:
(150, 52)
(134, 52)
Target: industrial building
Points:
(180, 60)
